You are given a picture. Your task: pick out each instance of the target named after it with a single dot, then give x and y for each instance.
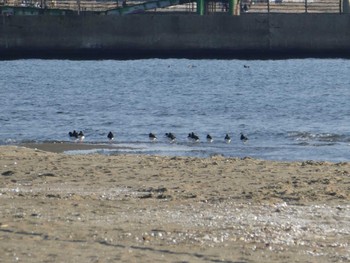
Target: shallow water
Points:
(293, 109)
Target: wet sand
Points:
(137, 208)
(61, 147)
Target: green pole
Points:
(200, 7)
(231, 6)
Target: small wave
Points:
(320, 137)
(140, 148)
(320, 144)
(90, 151)
(8, 141)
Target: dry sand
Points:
(126, 208)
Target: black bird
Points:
(189, 136)
(246, 66)
(110, 136)
(152, 137)
(243, 137)
(209, 138)
(81, 136)
(73, 134)
(227, 138)
(170, 136)
(193, 137)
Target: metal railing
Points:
(215, 6)
(292, 6)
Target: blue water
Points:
(295, 109)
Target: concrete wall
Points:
(171, 35)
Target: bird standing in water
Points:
(81, 136)
(227, 138)
(110, 136)
(209, 138)
(73, 134)
(152, 137)
(193, 137)
(170, 136)
(243, 138)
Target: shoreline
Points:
(61, 147)
(282, 173)
(90, 208)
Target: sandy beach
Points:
(57, 207)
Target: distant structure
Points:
(200, 7)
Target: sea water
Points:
(295, 109)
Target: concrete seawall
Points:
(173, 35)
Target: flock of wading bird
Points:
(79, 136)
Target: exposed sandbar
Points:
(138, 208)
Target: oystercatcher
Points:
(73, 134)
(227, 138)
(81, 136)
(209, 138)
(110, 136)
(243, 138)
(152, 137)
(170, 136)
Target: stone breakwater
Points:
(176, 35)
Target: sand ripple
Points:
(93, 208)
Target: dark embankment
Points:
(175, 35)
